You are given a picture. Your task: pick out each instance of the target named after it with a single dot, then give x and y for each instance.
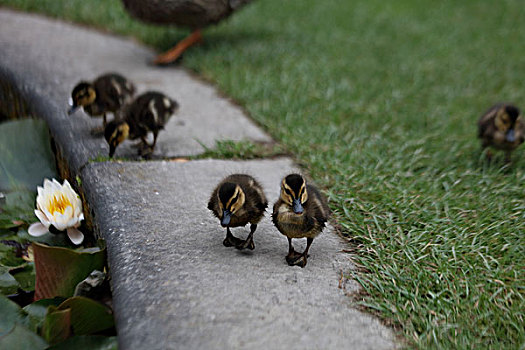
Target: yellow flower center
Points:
(59, 203)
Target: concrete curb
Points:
(175, 285)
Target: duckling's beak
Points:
(72, 110)
(226, 217)
(510, 136)
(72, 107)
(297, 206)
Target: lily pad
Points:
(17, 210)
(8, 284)
(19, 337)
(57, 325)
(11, 315)
(19, 205)
(25, 154)
(8, 256)
(59, 270)
(37, 311)
(87, 315)
(56, 240)
(25, 277)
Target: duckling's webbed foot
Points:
(145, 149)
(248, 243)
(146, 152)
(292, 257)
(299, 261)
(292, 254)
(231, 240)
(295, 259)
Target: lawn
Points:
(379, 101)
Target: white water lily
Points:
(60, 206)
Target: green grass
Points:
(379, 100)
(229, 149)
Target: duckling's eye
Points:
(288, 192)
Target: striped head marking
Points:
(505, 122)
(153, 109)
(115, 133)
(170, 106)
(83, 95)
(293, 190)
(506, 118)
(231, 197)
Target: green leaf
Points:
(6, 221)
(88, 316)
(39, 308)
(57, 325)
(25, 154)
(19, 337)
(21, 202)
(87, 342)
(18, 209)
(8, 257)
(59, 270)
(37, 311)
(11, 314)
(8, 284)
(25, 277)
(11, 236)
(58, 240)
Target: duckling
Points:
(148, 112)
(107, 93)
(238, 200)
(301, 211)
(501, 127)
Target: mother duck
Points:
(192, 14)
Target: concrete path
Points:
(175, 282)
(52, 57)
(175, 285)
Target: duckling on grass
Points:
(107, 93)
(501, 127)
(238, 200)
(301, 211)
(149, 112)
